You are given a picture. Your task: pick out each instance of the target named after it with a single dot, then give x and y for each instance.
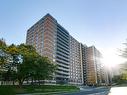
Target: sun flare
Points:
(111, 58)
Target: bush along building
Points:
(77, 63)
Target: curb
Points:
(47, 93)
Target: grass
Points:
(7, 90)
(12, 90)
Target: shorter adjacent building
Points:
(93, 72)
(91, 66)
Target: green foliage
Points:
(33, 66)
(12, 49)
(117, 79)
(27, 50)
(120, 79)
(124, 51)
(2, 44)
(44, 68)
(3, 57)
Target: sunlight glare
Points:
(111, 58)
(118, 91)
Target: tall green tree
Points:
(13, 51)
(44, 68)
(124, 65)
(25, 70)
(124, 50)
(3, 56)
(2, 44)
(33, 66)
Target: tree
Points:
(124, 51)
(2, 44)
(26, 64)
(33, 66)
(3, 56)
(44, 68)
(25, 70)
(13, 51)
(123, 66)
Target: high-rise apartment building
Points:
(93, 66)
(77, 63)
(51, 40)
(84, 61)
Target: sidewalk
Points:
(47, 93)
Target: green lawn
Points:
(12, 90)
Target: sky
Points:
(102, 23)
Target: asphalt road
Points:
(91, 91)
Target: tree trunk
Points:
(38, 81)
(13, 82)
(20, 83)
(32, 81)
